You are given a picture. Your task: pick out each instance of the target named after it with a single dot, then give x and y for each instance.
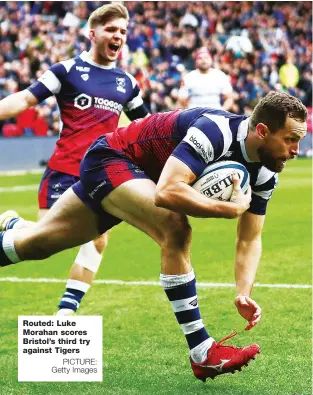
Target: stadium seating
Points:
(166, 34)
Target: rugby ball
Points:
(216, 180)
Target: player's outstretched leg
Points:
(82, 274)
(68, 223)
(83, 270)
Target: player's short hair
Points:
(274, 109)
(103, 14)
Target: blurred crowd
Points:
(260, 45)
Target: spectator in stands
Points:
(289, 74)
(205, 86)
(37, 33)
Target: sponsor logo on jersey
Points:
(228, 154)
(84, 101)
(85, 77)
(121, 84)
(200, 143)
(110, 105)
(199, 148)
(83, 69)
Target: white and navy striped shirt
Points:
(216, 135)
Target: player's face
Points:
(282, 146)
(109, 40)
(203, 62)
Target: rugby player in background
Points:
(142, 174)
(91, 94)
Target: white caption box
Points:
(54, 348)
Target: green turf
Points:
(144, 350)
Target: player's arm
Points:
(174, 192)
(228, 101)
(227, 93)
(16, 103)
(135, 108)
(248, 254)
(183, 96)
(137, 112)
(249, 246)
(47, 85)
(182, 100)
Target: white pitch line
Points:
(149, 283)
(22, 172)
(20, 188)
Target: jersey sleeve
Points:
(262, 191)
(49, 83)
(135, 108)
(206, 141)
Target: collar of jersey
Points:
(241, 135)
(84, 57)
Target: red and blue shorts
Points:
(102, 170)
(53, 185)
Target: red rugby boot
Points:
(224, 359)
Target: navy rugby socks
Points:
(74, 292)
(181, 292)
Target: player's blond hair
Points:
(103, 14)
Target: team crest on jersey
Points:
(121, 84)
(85, 77)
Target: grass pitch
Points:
(144, 350)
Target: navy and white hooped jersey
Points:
(197, 137)
(91, 98)
(218, 135)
